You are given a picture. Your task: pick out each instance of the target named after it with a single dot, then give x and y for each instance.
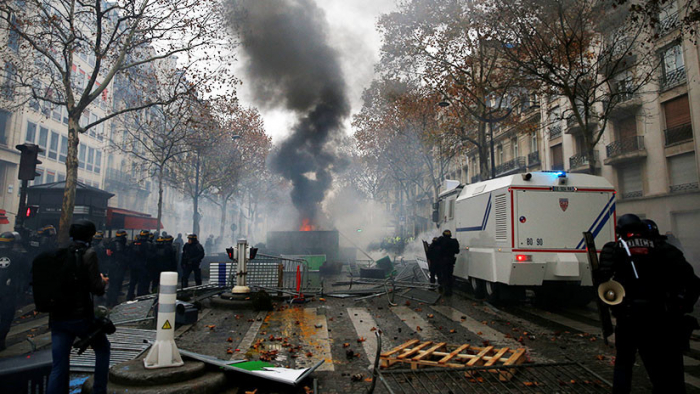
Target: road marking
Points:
(568, 322)
(324, 347)
(249, 336)
(692, 380)
(478, 328)
(364, 323)
(413, 320)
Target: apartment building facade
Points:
(648, 151)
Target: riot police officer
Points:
(140, 256)
(14, 279)
(120, 255)
(657, 280)
(170, 261)
(98, 244)
(192, 255)
(448, 248)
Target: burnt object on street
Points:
(305, 243)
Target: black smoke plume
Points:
(290, 64)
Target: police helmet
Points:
(168, 239)
(652, 228)
(82, 230)
(8, 239)
(160, 240)
(98, 235)
(630, 224)
(144, 234)
(192, 237)
(47, 231)
(447, 233)
(121, 233)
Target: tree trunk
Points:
(224, 206)
(160, 196)
(71, 180)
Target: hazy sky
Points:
(353, 34)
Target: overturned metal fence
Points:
(264, 271)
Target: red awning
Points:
(3, 217)
(124, 219)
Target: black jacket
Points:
(80, 279)
(192, 253)
(448, 248)
(664, 280)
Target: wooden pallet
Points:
(439, 354)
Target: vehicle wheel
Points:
(493, 292)
(477, 287)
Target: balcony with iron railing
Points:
(684, 187)
(511, 166)
(533, 158)
(580, 162)
(625, 149)
(679, 134)
(554, 132)
(667, 24)
(673, 78)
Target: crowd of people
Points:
(138, 261)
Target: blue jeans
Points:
(63, 334)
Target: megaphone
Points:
(611, 292)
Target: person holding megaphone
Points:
(651, 287)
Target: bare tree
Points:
(155, 137)
(132, 40)
(588, 53)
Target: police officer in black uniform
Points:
(170, 261)
(448, 248)
(192, 255)
(14, 279)
(119, 253)
(98, 244)
(139, 274)
(660, 287)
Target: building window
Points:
(53, 146)
(39, 178)
(8, 89)
(31, 132)
(4, 123)
(13, 35)
(65, 115)
(90, 159)
(50, 177)
(93, 119)
(43, 138)
(514, 145)
(678, 126)
(81, 156)
(673, 67)
(668, 17)
(64, 149)
(61, 177)
(557, 157)
(630, 180)
(533, 143)
(98, 161)
(499, 155)
(683, 172)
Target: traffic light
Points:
(28, 161)
(230, 252)
(31, 211)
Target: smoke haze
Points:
(290, 64)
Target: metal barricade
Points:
(264, 271)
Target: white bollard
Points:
(242, 252)
(164, 352)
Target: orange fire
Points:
(306, 225)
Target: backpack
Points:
(53, 273)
